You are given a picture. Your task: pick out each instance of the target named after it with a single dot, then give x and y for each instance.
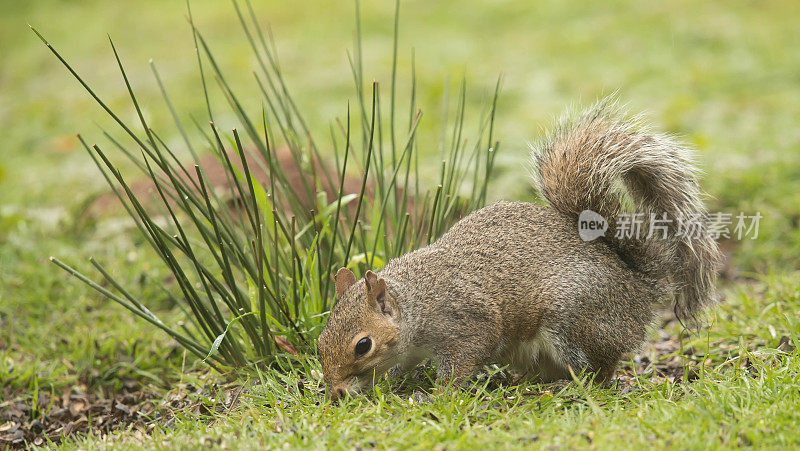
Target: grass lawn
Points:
(722, 76)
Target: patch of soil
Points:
(133, 407)
(650, 362)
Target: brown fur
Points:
(513, 283)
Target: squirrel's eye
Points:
(363, 346)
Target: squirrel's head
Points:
(359, 342)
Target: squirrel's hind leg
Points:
(588, 350)
(605, 375)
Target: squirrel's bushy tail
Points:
(580, 167)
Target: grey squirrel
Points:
(514, 284)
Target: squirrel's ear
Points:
(342, 281)
(373, 290)
(370, 278)
(378, 297)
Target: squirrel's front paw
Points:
(396, 372)
(402, 369)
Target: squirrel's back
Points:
(514, 263)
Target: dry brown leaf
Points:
(285, 345)
(76, 408)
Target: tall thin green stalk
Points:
(253, 258)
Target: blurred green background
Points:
(723, 76)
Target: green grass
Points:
(728, 405)
(720, 75)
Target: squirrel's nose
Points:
(337, 393)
